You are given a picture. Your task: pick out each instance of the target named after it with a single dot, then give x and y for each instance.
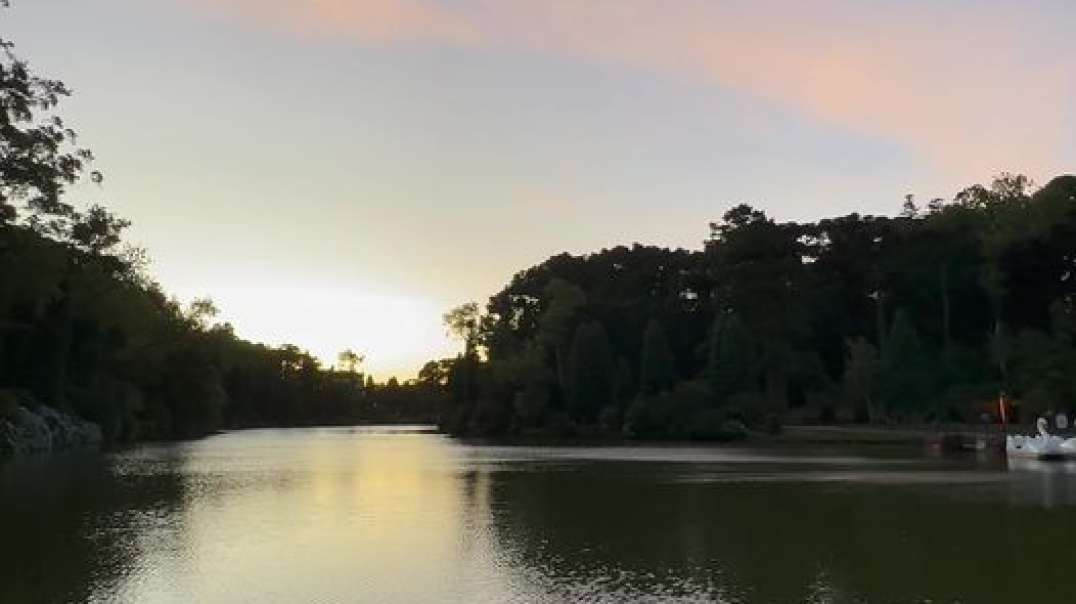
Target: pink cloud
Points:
(378, 21)
(974, 90)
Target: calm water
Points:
(392, 515)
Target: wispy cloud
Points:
(973, 87)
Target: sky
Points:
(338, 173)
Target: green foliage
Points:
(435, 373)
(623, 384)
(350, 361)
(1043, 369)
(39, 157)
(731, 358)
(9, 404)
(904, 370)
(592, 375)
(463, 323)
(861, 379)
(762, 279)
(76, 332)
(682, 413)
(923, 316)
(657, 367)
(558, 324)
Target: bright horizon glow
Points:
(339, 173)
(332, 319)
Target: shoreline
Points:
(948, 437)
(26, 431)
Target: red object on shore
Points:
(1001, 410)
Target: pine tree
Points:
(730, 363)
(591, 373)
(657, 371)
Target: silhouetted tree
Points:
(592, 379)
(463, 322)
(657, 369)
(904, 368)
(730, 366)
(39, 157)
(350, 361)
(861, 375)
(799, 315)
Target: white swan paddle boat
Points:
(1040, 446)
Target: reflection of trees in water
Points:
(583, 532)
(67, 526)
(583, 535)
(89, 527)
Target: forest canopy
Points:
(926, 316)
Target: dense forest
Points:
(84, 329)
(928, 316)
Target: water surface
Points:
(404, 515)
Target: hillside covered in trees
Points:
(923, 317)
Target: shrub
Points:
(714, 425)
(9, 405)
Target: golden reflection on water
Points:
(382, 517)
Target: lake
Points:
(401, 514)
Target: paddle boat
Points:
(1040, 446)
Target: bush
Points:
(750, 408)
(685, 412)
(647, 417)
(9, 405)
(714, 425)
(610, 419)
(13, 398)
(771, 424)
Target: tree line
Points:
(921, 317)
(85, 329)
(927, 316)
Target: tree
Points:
(463, 322)
(39, 157)
(350, 361)
(861, 374)
(558, 323)
(592, 380)
(949, 249)
(909, 209)
(624, 385)
(761, 276)
(657, 370)
(1003, 211)
(435, 373)
(531, 386)
(97, 231)
(904, 369)
(730, 365)
(200, 312)
(848, 292)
